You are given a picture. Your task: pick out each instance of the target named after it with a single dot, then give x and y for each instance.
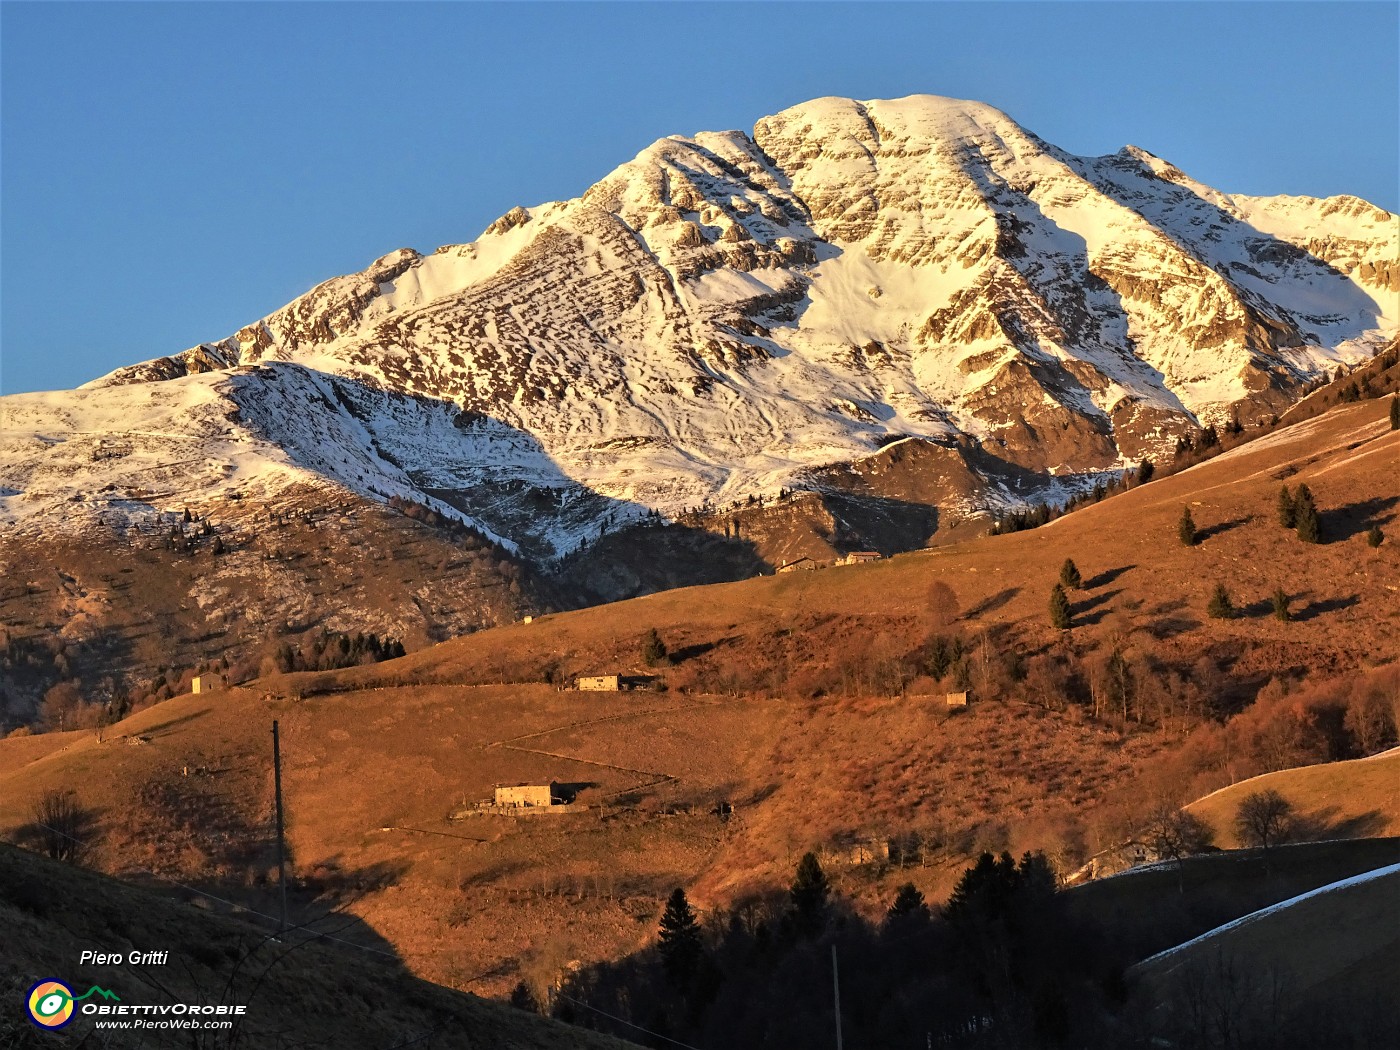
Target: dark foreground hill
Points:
(300, 989)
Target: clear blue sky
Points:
(173, 171)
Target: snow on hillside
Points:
(725, 314)
(1273, 909)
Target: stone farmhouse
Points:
(527, 795)
(615, 683)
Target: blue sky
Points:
(170, 172)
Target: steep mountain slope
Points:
(723, 314)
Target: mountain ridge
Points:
(727, 313)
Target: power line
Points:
(233, 904)
(629, 1024)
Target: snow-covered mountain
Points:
(733, 314)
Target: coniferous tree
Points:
(1069, 575)
(1374, 536)
(653, 648)
(909, 906)
(1287, 512)
(1145, 471)
(1395, 412)
(1280, 602)
(1308, 522)
(1220, 607)
(808, 893)
(1061, 616)
(1186, 529)
(680, 945)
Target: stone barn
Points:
(207, 683)
(522, 795)
(601, 683)
(861, 557)
(802, 564)
(613, 683)
(956, 699)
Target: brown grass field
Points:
(772, 707)
(1362, 796)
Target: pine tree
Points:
(808, 893)
(1395, 412)
(1280, 601)
(680, 945)
(1220, 607)
(1145, 472)
(1069, 574)
(909, 906)
(1305, 516)
(1374, 536)
(1287, 512)
(1186, 529)
(1061, 616)
(653, 648)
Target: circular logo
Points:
(51, 1004)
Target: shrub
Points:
(1061, 617)
(1374, 536)
(1186, 529)
(1305, 516)
(1220, 607)
(1069, 575)
(61, 827)
(1280, 602)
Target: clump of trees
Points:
(332, 650)
(999, 962)
(1297, 510)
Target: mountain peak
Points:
(727, 315)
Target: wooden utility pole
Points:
(281, 848)
(836, 995)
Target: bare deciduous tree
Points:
(1264, 818)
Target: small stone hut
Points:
(523, 795)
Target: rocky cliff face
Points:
(733, 314)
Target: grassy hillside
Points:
(1160, 906)
(806, 703)
(1360, 797)
(1323, 965)
(300, 990)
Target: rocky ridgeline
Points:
(731, 314)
